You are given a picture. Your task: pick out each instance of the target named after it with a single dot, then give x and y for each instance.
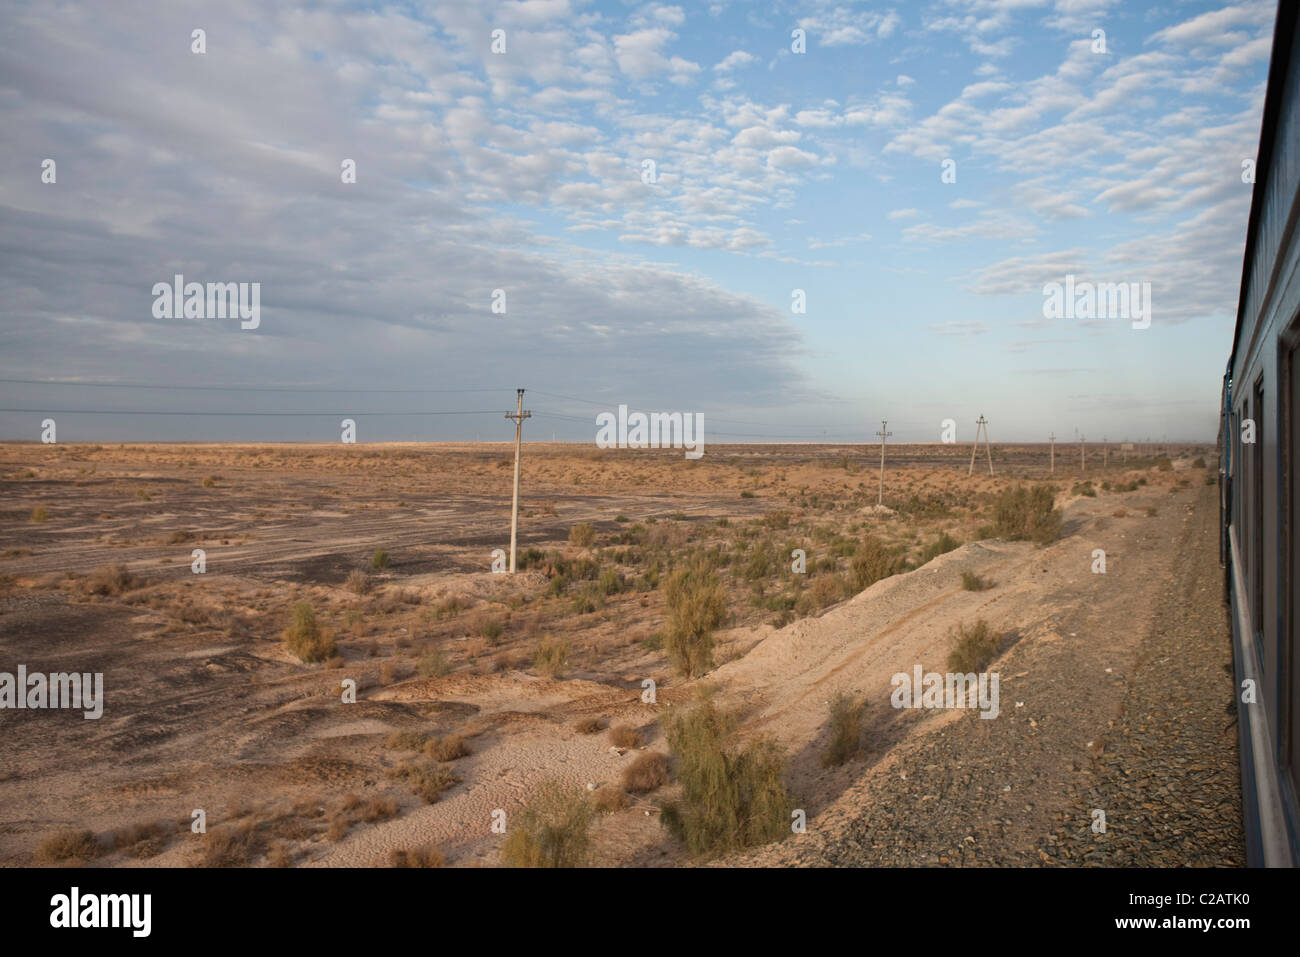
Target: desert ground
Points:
(476, 691)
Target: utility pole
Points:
(519, 416)
(1052, 438)
(981, 423)
(884, 433)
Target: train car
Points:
(1260, 494)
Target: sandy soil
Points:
(206, 708)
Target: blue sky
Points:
(522, 171)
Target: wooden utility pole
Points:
(518, 415)
(1052, 438)
(981, 423)
(884, 433)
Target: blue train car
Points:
(1259, 490)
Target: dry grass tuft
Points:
(69, 848)
(447, 748)
(112, 580)
(625, 736)
(648, 772)
(428, 779)
(428, 856)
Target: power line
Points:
(238, 388)
(237, 414)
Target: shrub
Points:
(428, 779)
(112, 580)
(359, 582)
(973, 582)
(231, 845)
(1023, 513)
(611, 582)
(305, 638)
(69, 847)
(582, 535)
(209, 481)
(609, 799)
(940, 546)
(447, 748)
(1152, 512)
(1198, 462)
(973, 648)
(552, 831)
(647, 772)
(405, 741)
(141, 840)
(428, 856)
(434, 664)
(747, 494)
(338, 829)
(697, 604)
(379, 559)
(378, 809)
(39, 514)
(824, 590)
(624, 736)
(730, 798)
(873, 561)
(487, 627)
(588, 725)
(551, 657)
(845, 725)
(1164, 465)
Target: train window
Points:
(1257, 515)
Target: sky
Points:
(615, 203)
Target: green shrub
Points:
(612, 582)
(972, 582)
(434, 664)
(731, 798)
(39, 514)
(305, 638)
(873, 561)
(940, 546)
(379, 559)
(845, 725)
(582, 535)
(1022, 514)
(551, 657)
(697, 604)
(552, 831)
(973, 648)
